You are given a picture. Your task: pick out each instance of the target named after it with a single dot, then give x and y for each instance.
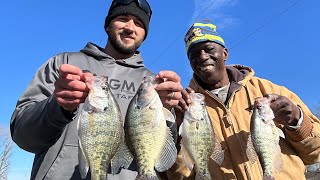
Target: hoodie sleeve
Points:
(38, 121)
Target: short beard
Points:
(121, 48)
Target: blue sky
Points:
(278, 39)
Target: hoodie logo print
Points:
(127, 89)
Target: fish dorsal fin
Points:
(250, 151)
(180, 129)
(280, 133)
(218, 153)
(83, 163)
(168, 115)
(186, 157)
(188, 161)
(277, 161)
(168, 154)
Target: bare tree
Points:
(5, 153)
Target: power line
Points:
(268, 22)
(176, 39)
(262, 26)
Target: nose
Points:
(130, 25)
(203, 55)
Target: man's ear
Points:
(226, 54)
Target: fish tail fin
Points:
(99, 176)
(268, 177)
(203, 176)
(147, 177)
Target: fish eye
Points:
(105, 109)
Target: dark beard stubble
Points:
(119, 47)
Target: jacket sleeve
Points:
(38, 121)
(306, 139)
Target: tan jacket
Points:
(231, 123)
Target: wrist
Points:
(68, 114)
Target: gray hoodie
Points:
(40, 126)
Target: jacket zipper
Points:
(246, 169)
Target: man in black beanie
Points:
(46, 115)
(130, 9)
(140, 16)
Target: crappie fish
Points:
(263, 141)
(101, 134)
(147, 135)
(199, 142)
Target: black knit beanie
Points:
(129, 9)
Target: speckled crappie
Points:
(263, 141)
(147, 135)
(101, 134)
(199, 142)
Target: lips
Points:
(128, 40)
(127, 37)
(206, 67)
